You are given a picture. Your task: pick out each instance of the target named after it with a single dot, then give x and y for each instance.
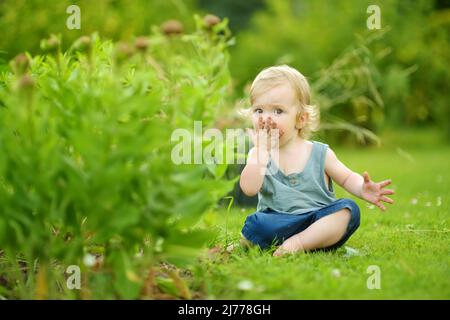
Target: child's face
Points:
(281, 104)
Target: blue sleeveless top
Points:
(298, 192)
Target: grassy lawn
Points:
(409, 242)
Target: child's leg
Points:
(245, 243)
(321, 234)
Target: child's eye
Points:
(278, 111)
(257, 110)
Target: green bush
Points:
(86, 163)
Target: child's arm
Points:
(361, 186)
(265, 140)
(252, 177)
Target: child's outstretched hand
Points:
(373, 192)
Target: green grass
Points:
(409, 242)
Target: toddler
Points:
(293, 176)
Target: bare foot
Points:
(289, 246)
(243, 243)
(246, 243)
(280, 252)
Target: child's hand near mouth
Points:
(267, 135)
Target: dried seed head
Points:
(51, 44)
(142, 44)
(20, 64)
(123, 51)
(83, 44)
(211, 20)
(172, 27)
(26, 83)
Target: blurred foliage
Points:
(237, 11)
(412, 56)
(86, 166)
(28, 21)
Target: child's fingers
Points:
(275, 133)
(380, 205)
(366, 177)
(387, 191)
(385, 183)
(387, 199)
(274, 125)
(268, 124)
(280, 131)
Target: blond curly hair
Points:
(276, 75)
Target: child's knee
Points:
(355, 213)
(346, 214)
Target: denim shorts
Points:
(268, 227)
